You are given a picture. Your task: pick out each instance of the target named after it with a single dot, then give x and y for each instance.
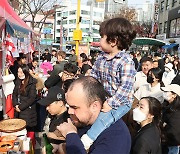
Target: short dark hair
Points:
(145, 59)
(119, 30)
(93, 88)
(70, 68)
(21, 56)
(62, 54)
(35, 59)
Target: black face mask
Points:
(150, 79)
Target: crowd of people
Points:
(118, 103)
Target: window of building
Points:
(73, 21)
(83, 21)
(58, 14)
(64, 22)
(160, 28)
(95, 30)
(72, 12)
(58, 30)
(97, 14)
(162, 5)
(165, 26)
(85, 12)
(57, 39)
(65, 14)
(178, 28)
(70, 38)
(172, 28)
(58, 22)
(167, 4)
(96, 39)
(86, 30)
(174, 2)
(71, 30)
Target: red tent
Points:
(14, 21)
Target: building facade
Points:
(145, 13)
(169, 20)
(42, 27)
(65, 23)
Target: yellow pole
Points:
(77, 23)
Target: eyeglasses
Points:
(68, 75)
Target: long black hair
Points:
(25, 70)
(158, 73)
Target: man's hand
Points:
(106, 107)
(67, 127)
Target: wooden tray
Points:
(12, 125)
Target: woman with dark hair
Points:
(171, 119)
(148, 115)
(84, 60)
(176, 65)
(24, 96)
(154, 79)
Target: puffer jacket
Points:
(26, 102)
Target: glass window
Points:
(85, 12)
(86, 30)
(58, 14)
(71, 29)
(83, 21)
(172, 28)
(64, 22)
(97, 14)
(167, 4)
(58, 22)
(58, 30)
(57, 39)
(174, 2)
(65, 14)
(165, 26)
(72, 12)
(96, 39)
(95, 30)
(96, 22)
(70, 39)
(162, 5)
(73, 21)
(160, 28)
(178, 27)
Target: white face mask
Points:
(167, 96)
(22, 77)
(138, 115)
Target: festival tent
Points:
(11, 25)
(13, 21)
(148, 41)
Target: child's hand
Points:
(106, 107)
